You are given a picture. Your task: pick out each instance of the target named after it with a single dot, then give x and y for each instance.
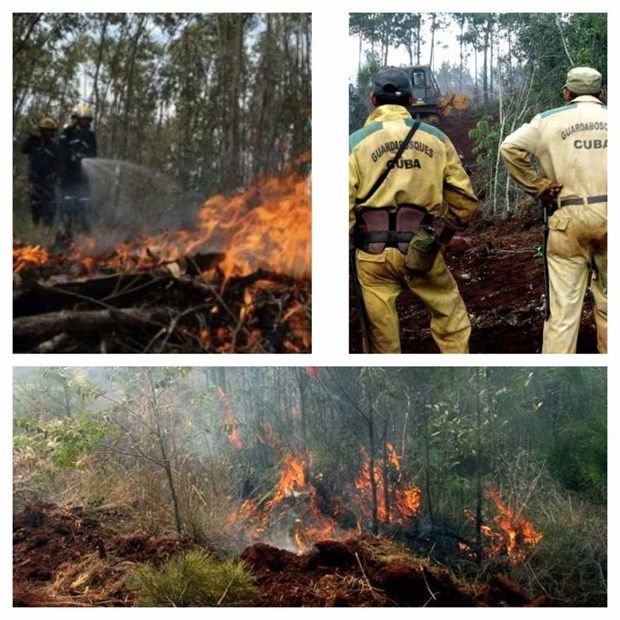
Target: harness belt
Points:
(378, 228)
(585, 200)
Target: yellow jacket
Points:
(428, 173)
(570, 144)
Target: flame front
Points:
(307, 516)
(515, 528)
(268, 227)
(403, 500)
(292, 498)
(26, 256)
(291, 482)
(509, 535)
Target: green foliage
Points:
(486, 138)
(56, 391)
(194, 579)
(65, 442)
(579, 457)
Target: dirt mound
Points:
(457, 128)
(67, 557)
(367, 572)
(502, 285)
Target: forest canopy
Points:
(212, 101)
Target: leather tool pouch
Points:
(422, 249)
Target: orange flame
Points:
(230, 424)
(26, 256)
(404, 500)
(292, 481)
(515, 528)
(295, 495)
(268, 226)
(509, 534)
(294, 499)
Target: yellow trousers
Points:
(384, 276)
(576, 249)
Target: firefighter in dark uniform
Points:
(42, 152)
(77, 142)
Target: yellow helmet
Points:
(47, 123)
(82, 110)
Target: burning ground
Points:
(303, 545)
(239, 281)
(76, 556)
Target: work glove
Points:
(550, 195)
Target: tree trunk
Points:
(165, 456)
(430, 60)
(95, 96)
(485, 69)
(373, 480)
(429, 497)
(386, 471)
(479, 386)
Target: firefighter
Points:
(77, 142)
(398, 231)
(570, 144)
(42, 152)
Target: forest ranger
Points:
(400, 173)
(570, 144)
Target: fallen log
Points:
(168, 308)
(38, 297)
(29, 331)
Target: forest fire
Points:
(239, 281)
(265, 227)
(293, 509)
(290, 512)
(510, 534)
(294, 512)
(395, 502)
(515, 528)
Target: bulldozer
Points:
(431, 105)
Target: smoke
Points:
(129, 200)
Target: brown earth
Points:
(75, 557)
(369, 572)
(68, 557)
(502, 285)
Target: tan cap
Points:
(583, 81)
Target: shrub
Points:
(194, 579)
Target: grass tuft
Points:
(194, 579)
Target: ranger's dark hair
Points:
(384, 99)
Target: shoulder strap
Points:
(390, 164)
